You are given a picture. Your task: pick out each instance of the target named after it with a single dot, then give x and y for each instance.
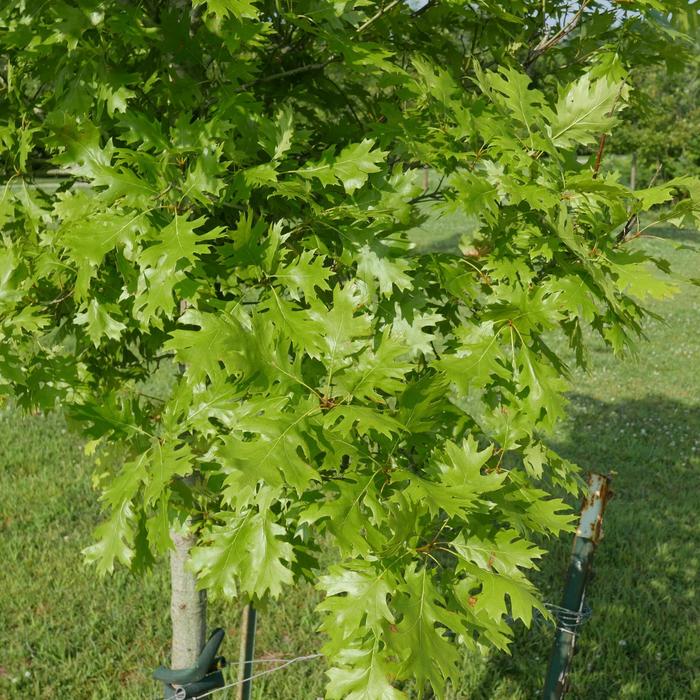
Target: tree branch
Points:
(319, 66)
(547, 43)
(623, 236)
(381, 13)
(428, 5)
(436, 194)
(287, 73)
(599, 155)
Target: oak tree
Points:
(229, 186)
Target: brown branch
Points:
(622, 236)
(599, 155)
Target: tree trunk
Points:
(633, 171)
(188, 606)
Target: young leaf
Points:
(584, 111)
(351, 167)
(246, 550)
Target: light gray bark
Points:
(188, 606)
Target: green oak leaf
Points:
(246, 551)
(378, 370)
(278, 454)
(99, 323)
(167, 461)
(420, 639)
(306, 274)
(374, 264)
(497, 588)
(346, 515)
(350, 419)
(584, 111)
(411, 333)
(114, 541)
(454, 483)
(237, 8)
(175, 241)
(300, 326)
(512, 89)
(362, 673)
(351, 167)
(126, 483)
(344, 330)
(158, 526)
(479, 357)
(355, 596)
(506, 552)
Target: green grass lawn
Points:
(65, 633)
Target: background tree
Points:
(662, 131)
(237, 184)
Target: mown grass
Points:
(66, 633)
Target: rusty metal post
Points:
(245, 669)
(588, 534)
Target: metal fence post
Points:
(245, 669)
(588, 535)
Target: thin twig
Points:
(344, 95)
(655, 175)
(381, 13)
(288, 73)
(428, 197)
(425, 8)
(548, 42)
(436, 194)
(599, 155)
(622, 237)
(319, 66)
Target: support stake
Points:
(245, 671)
(588, 534)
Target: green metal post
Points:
(588, 535)
(245, 671)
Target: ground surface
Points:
(66, 634)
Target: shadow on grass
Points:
(642, 643)
(643, 640)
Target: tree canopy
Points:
(230, 185)
(663, 129)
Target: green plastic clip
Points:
(204, 676)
